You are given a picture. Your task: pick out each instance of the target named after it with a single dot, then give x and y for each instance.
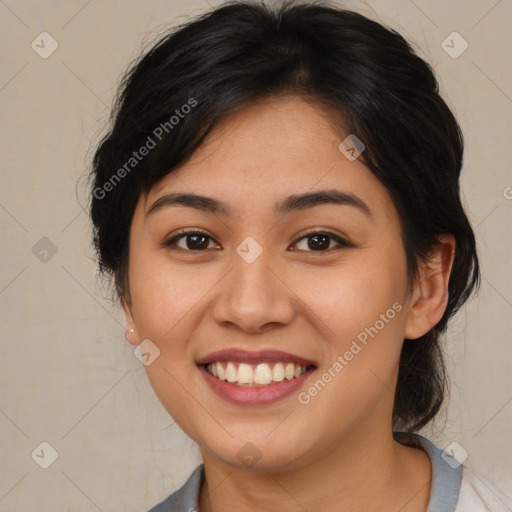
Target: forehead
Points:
(271, 149)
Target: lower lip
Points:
(241, 395)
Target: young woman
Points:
(278, 205)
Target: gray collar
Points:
(446, 478)
(444, 493)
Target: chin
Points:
(257, 453)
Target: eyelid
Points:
(339, 239)
(171, 241)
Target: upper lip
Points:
(246, 356)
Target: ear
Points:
(131, 330)
(430, 294)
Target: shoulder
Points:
(477, 494)
(185, 499)
(454, 487)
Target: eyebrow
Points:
(292, 203)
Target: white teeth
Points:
(278, 372)
(261, 374)
(231, 373)
(245, 374)
(220, 371)
(289, 371)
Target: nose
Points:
(254, 296)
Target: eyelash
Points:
(307, 234)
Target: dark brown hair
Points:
(366, 73)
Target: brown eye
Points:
(193, 241)
(197, 241)
(321, 241)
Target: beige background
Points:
(68, 377)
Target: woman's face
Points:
(257, 279)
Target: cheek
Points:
(364, 307)
(163, 299)
(166, 301)
(354, 297)
(164, 293)
(364, 310)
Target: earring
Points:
(132, 331)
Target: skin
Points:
(336, 452)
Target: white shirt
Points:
(478, 495)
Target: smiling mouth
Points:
(262, 374)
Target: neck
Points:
(364, 473)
